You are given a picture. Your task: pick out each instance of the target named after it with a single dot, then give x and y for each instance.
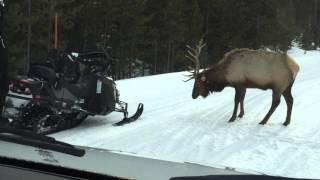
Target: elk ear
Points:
(203, 78)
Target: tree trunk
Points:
(131, 58)
(207, 38)
(130, 68)
(143, 64)
(49, 29)
(172, 58)
(155, 57)
(169, 57)
(315, 25)
(27, 63)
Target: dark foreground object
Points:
(3, 68)
(106, 163)
(233, 177)
(18, 169)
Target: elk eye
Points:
(203, 78)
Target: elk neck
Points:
(216, 78)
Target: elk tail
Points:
(293, 66)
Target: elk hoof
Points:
(241, 115)
(263, 122)
(286, 123)
(231, 119)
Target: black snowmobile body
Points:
(61, 93)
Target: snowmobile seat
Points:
(43, 72)
(21, 83)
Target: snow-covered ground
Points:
(176, 127)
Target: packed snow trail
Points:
(176, 127)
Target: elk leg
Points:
(242, 95)
(236, 103)
(275, 102)
(289, 100)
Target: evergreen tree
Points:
(150, 35)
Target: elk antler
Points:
(193, 55)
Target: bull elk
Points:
(246, 68)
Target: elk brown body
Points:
(246, 68)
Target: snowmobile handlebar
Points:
(91, 55)
(92, 58)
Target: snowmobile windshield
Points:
(13, 135)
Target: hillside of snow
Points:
(178, 128)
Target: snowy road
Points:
(176, 127)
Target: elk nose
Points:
(194, 96)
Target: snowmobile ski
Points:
(133, 118)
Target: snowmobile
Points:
(63, 92)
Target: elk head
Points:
(200, 79)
